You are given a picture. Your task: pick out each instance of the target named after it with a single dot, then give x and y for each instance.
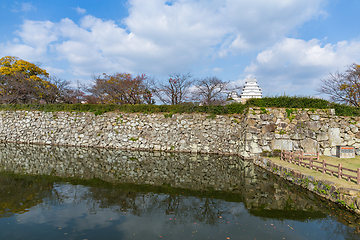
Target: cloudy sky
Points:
(288, 45)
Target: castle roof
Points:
(251, 89)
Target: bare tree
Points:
(175, 90)
(210, 91)
(343, 87)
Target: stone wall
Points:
(255, 131)
(180, 132)
(297, 129)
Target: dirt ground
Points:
(351, 163)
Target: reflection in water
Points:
(214, 196)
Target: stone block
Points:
(297, 136)
(252, 130)
(323, 136)
(269, 136)
(334, 137)
(354, 128)
(310, 134)
(263, 142)
(347, 137)
(315, 117)
(266, 148)
(251, 122)
(324, 144)
(254, 148)
(249, 137)
(264, 117)
(268, 128)
(350, 142)
(302, 117)
(309, 145)
(316, 125)
(333, 151)
(282, 144)
(357, 135)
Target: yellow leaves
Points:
(344, 87)
(25, 77)
(11, 65)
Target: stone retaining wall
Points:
(249, 134)
(267, 129)
(180, 132)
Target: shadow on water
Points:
(189, 188)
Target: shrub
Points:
(290, 103)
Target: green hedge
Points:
(143, 108)
(234, 108)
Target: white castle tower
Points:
(250, 90)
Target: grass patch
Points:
(352, 163)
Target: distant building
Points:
(250, 90)
(233, 96)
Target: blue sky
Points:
(288, 45)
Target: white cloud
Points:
(217, 70)
(38, 33)
(161, 37)
(295, 65)
(80, 10)
(53, 71)
(24, 7)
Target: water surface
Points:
(81, 193)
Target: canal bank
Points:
(338, 191)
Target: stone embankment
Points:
(298, 129)
(181, 132)
(249, 134)
(349, 198)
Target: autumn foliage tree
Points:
(175, 90)
(121, 88)
(24, 82)
(343, 87)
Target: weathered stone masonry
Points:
(185, 132)
(297, 129)
(248, 135)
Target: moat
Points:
(88, 193)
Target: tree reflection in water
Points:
(205, 188)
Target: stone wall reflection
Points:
(259, 191)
